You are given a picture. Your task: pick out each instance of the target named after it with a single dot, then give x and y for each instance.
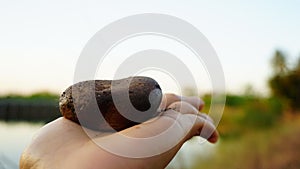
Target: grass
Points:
(277, 147)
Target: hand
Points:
(64, 144)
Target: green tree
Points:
(285, 83)
(279, 63)
(298, 64)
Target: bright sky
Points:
(40, 41)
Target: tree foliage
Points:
(279, 63)
(285, 82)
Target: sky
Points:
(41, 40)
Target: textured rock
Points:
(108, 105)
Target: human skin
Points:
(64, 144)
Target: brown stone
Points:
(108, 105)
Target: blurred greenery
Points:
(285, 81)
(261, 132)
(255, 132)
(35, 96)
(38, 107)
(273, 148)
(244, 112)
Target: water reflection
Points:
(15, 136)
(195, 150)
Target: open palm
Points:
(64, 144)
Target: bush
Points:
(262, 113)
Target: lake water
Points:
(15, 136)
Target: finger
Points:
(206, 117)
(203, 124)
(203, 128)
(209, 131)
(186, 108)
(170, 98)
(183, 107)
(195, 101)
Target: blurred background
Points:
(257, 44)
